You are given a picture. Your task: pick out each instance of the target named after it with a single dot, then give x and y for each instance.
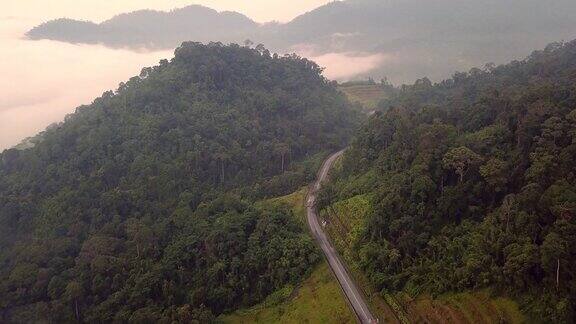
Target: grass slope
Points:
(344, 226)
(296, 200)
(464, 307)
(368, 95)
(319, 299)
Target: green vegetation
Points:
(345, 220)
(368, 94)
(141, 206)
(345, 226)
(319, 299)
(297, 203)
(464, 307)
(472, 186)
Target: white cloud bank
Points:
(43, 81)
(343, 65)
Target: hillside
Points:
(140, 207)
(410, 38)
(366, 93)
(466, 185)
(316, 299)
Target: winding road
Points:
(350, 289)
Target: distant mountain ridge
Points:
(149, 29)
(417, 38)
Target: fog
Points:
(345, 65)
(43, 81)
(402, 40)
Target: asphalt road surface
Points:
(352, 292)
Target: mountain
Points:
(151, 29)
(470, 184)
(432, 38)
(141, 207)
(372, 24)
(410, 38)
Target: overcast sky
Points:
(98, 10)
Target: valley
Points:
(241, 181)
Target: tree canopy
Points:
(140, 206)
(473, 185)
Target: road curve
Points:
(350, 289)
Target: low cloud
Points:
(344, 65)
(44, 81)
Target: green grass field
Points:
(318, 299)
(368, 95)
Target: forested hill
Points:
(139, 207)
(151, 29)
(472, 184)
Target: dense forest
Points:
(472, 185)
(140, 206)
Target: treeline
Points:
(472, 184)
(139, 207)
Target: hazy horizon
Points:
(259, 10)
(43, 81)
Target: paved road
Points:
(352, 292)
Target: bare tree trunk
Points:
(558, 274)
(283, 162)
(222, 170)
(76, 306)
(138, 250)
(442, 185)
(519, 130)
